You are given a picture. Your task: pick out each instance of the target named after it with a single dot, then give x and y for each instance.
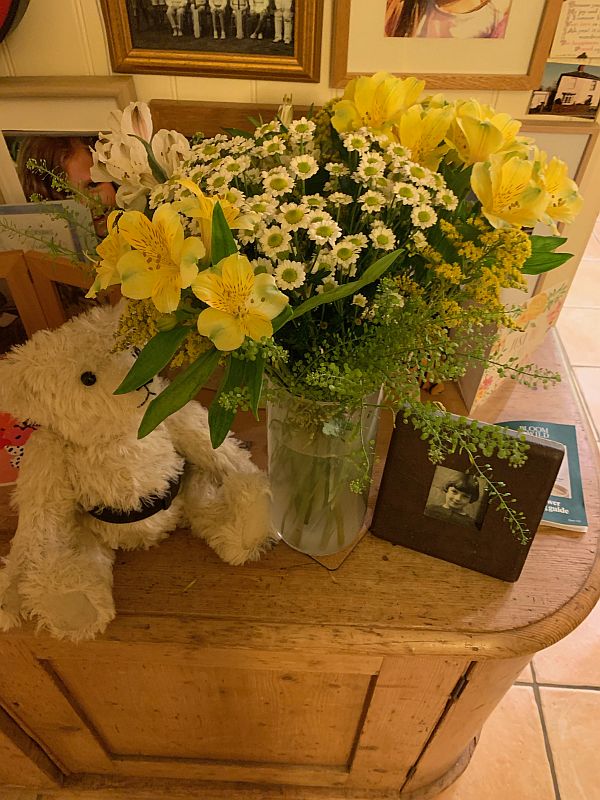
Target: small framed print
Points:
(445, 511)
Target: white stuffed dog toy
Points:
(88, 485)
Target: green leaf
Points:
(180, 391)
(155, 356)
(280, 320)
(238, 132)
(371, 274)
(543, 258)
(157, 170)
(239, 373)
(223, 244)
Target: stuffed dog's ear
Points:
(21, 378)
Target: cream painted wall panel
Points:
(48, 41)
(152, 87)
(56, 115)
(219, 90)
(95, 36)
(6, 69)
(514, 103)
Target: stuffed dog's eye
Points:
(88, 378)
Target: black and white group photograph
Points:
(260, 27)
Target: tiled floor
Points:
(543, 740)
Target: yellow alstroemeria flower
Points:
(162, 261)
(110, 250)
(376, 102)
(478, 132)
(200, 206)
(423, 132)
(565, 200)
(508, 193)
(241, 303)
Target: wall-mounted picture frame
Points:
(513, 61)
(257, 39)
(445, 511)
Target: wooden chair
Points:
(13, 269)
(47, 273)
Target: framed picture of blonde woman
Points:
(479, 44)
(447, 19)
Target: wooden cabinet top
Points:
(383, 599)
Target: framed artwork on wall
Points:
(499, 44)
(264, 39)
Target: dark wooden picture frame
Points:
(298, 62)
(487, 545)
(475, 78)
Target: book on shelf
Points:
(566, 505)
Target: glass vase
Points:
(320, 463)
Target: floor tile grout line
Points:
(549, 755)
(578, 388)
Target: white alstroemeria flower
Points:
(423, 216)
(304, 166)
(277, 182)
(136, 120)
(132, 196)
(289, 274)
(382, 237)
(275, 241)
(171, 149)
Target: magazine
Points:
(565, 507)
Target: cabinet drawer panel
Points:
(186, 711)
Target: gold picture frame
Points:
(229, 57)
(359, 46)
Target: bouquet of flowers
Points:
(354, 254)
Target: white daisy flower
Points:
(235, 197)
(234, 166)
(437, 181)
(327, 284)
(262, 204)
(395, 150)
(301, 130)
(304, 166)
(292, 216)
(345, 254)
(261, 265)
(419, 240)
(207, 150)
(447, 199)
(339, 199)
(326, 231)
(371, 166)
(269, 127)
(417, 174)
(359, 300)
(383, 238)
(218, 182)
(425, 197)
(355, 141)
(423, 216)
(372, 201)
(272, 147)
(289, 274)
(358, 240)
(406, 193)
(314, 201)
(277, 181)
(274, 240)
(324, 261)
(337, 170)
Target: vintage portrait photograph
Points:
(259, 27)
(568, 90)
(447, 19)
(456, 497)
